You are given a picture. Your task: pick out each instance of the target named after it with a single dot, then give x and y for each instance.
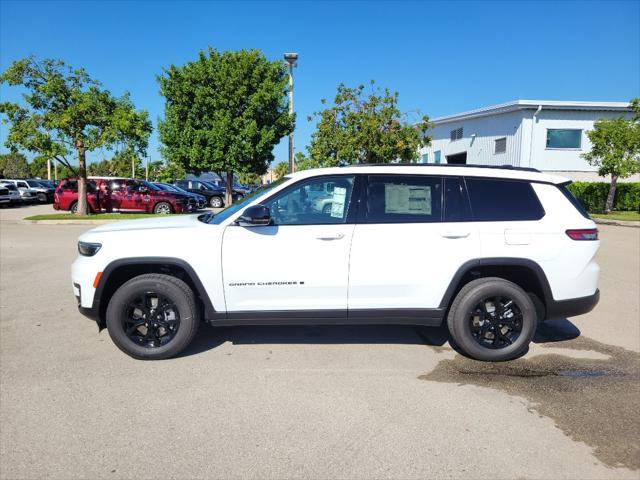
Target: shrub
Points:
(593, 195)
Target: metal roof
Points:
(534, 104)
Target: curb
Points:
(618, 223)
(65, 222)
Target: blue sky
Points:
(443, 57)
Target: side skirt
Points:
(431, 317)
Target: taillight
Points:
(583, 234)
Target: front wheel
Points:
(42, 197)
(492, 319)
(152, 317)
(215, 202)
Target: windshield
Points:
(33, 183)
(220, 217)
(10, 186)
(150, 186)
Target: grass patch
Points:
(632, 216)
(97, 216)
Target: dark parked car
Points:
(213, 194)
(44, 192)
(199, 201)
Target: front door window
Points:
(318, 201)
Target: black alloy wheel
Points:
(152, 316)
(496, 322)
(492, 319)
(150, 319)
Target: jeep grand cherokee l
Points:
(487, 251)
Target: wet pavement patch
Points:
(592, 401)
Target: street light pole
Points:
(291, 59)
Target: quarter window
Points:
(319, 201)
(403, 199)
(501, 145)
(564, 138)
(503, 200)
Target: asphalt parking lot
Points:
(310, 402)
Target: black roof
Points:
(466, 165)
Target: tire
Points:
(42, 197)
(73, 208)
(163, 208)
(327, 209)
(175, 291)
(475, 336)
(216, 202)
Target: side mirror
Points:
(255, 216)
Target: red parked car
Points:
(121, 195)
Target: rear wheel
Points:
(492, 319)
(215, 202)
(162, 208)
(152, 317)
(74, 207)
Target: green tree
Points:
(155, 170)
(281, 169)
(171, 171)
(66, 112)
(616, 149)
(14, 165)
(365, 127)
(305, 163)
(250, 178)
(224, 113)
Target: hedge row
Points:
(593, 195)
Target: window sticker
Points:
(407, 199)
(338, 201)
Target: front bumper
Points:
(572, 307)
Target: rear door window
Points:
(456, 205)
(496, 200)
(403, 199)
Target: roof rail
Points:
(466, 165)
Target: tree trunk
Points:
(228, 196)
(82, 178)
(612, 194)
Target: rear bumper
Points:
(572, 307)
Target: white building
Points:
(544, 134)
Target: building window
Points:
(501, 145)
(456, 134)
(564, 138)
(436, 156)
(425, 158)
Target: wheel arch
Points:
(119, 271)
(525, 273)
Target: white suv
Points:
(490, 251)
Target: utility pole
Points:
(55, 169)
(48, 169)
(133, 167)
(291, 59)
(146, 170)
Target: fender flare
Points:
(200, 291)
(469, 265)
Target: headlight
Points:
(88, 249)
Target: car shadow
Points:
(210, 337)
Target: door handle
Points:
(330, 236)
(454, 234)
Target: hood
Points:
(154, 223)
